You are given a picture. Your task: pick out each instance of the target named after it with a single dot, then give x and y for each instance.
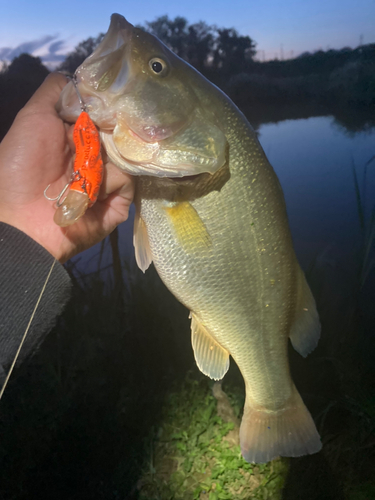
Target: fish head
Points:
(144, 100)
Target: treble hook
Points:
(59, 196)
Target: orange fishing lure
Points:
(88, 165)
(88, 173)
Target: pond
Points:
(314, 161)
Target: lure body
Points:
(88, 165)
(87, 175)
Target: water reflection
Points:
(313, 159)
(349, 119)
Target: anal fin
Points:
(211, 358)
(305, 331)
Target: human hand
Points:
(37, 151)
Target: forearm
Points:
(24, 266)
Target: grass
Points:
(195, 454)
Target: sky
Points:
(281, 29)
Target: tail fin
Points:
(289, 432)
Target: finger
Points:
(116, 181)
(113, 211)
(48, 93)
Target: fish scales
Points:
(211, 215)
(215, 284)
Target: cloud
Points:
(4, 52)
(56, 46)
(27, 47)
(49, 48)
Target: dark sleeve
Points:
(24, 267)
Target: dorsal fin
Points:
(305, 331)
(211, 358)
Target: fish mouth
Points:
(106, 68)
(104, 77)
(149, 133)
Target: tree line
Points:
(334, 77)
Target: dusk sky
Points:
(43, 27)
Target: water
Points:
(313, 159)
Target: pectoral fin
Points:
(305, 331)
(143, 255)
(188, 227)
(211, 358)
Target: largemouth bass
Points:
(210, 214)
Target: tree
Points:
(232, 51)
(27, 67)
(172, 32)
(200, 42)
(18, 82)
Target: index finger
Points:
(48, 93)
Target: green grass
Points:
(194, 454)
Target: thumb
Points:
(48, 93)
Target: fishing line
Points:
(27, 329)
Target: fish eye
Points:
(158, 66)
